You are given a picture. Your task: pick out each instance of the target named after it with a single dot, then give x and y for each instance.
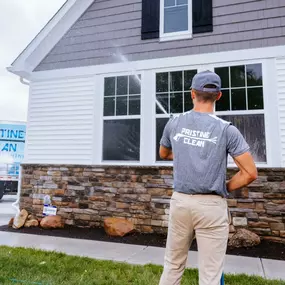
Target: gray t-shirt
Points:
(201, 143)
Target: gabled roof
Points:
(48, 37)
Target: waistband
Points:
(213, 193)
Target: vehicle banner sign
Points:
(12, 145)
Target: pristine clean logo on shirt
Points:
(194, 137)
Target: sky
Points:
(20, 21)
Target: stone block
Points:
(144, 198)
(98, 205)
(38, 196)
(255, 195)
(275, 178)
(159, 211)
(105, 189)
(275, 233)
(96, 218)
(241, 193)
(166, 172)
(156, 223)
(274, 195)
(259, 206)
(38, 202)
(273, 213)
(69, 222)
(258, 224)
(261, 231)
(128, 198)
(239, 210)
(239, 222)
(97, 198)
(277, 226)
(165, 186)
(270, 219)
(66, 210)
(157, 192)
(282, 234)
(146, 229)
(275, 207)
(121, 205)
(252, 216)
(137, 207)
(165, 224)
(76, 188)
(82, 217)
(232, 202)
(274, 239)
(58, 192)
(278, 201)
(126, 191)
(246, 205)
(53, 173)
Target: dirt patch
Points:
(266, 249)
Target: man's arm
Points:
(238, 148)
(165, 150)
(247, 172)
(165, 153)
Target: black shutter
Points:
(150, 19)
(202, 16)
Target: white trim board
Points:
(48, 37)
(229, 57)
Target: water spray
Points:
(123, 58)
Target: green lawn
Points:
(26, 266)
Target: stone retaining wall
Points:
(86, 195)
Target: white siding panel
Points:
(280, 65)
(61, 121)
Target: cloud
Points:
(20, 21)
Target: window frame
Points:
(267, 68)
(100, 159)
(175, 35)
(148, 111)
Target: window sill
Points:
(175, 37)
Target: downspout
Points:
(17, 203)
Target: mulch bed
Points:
(266, 249)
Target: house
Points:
(105, 76)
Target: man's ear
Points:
(193, 95)
(219, 96)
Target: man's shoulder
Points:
(222, 121)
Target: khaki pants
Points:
(205, 216)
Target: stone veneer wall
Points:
(86, 195)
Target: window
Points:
(172, 97)
(176, 19)
(122, 110)
(242, 104)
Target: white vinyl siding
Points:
(280, 68)
(60, 123)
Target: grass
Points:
(28, 266)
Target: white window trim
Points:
(176, 35)
(148, 114)
(100, 118)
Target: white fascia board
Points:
(48, 37)
(189, 60)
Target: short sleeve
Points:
(236, 144)
(165, 140)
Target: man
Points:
(199, 143)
